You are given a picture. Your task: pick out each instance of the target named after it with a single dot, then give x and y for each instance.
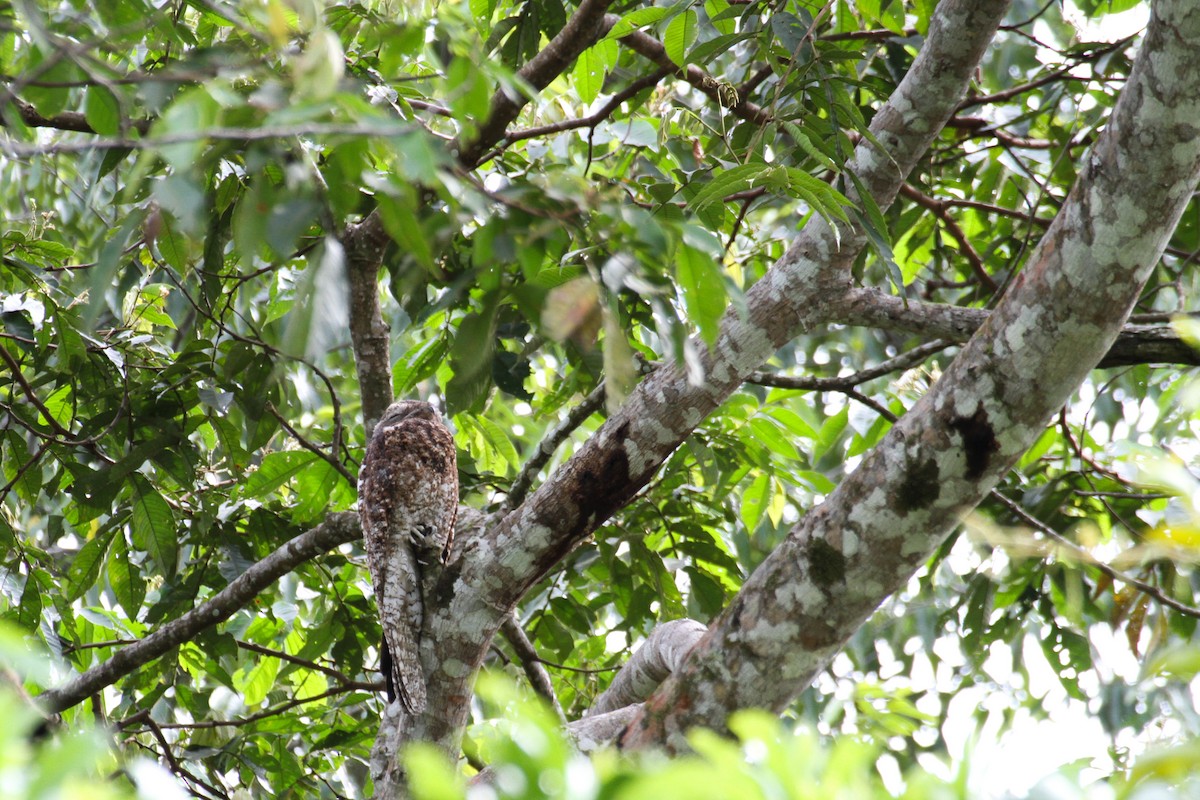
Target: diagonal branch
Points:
(725, 95)
(1055, 323)
(337, 529)
(582, 30)
(802, 289)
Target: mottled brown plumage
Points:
(407, 501)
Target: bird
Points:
(407, 503)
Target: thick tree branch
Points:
(365, 244)
(667, 406)
(337, 529)
(592, 733)
(941, 459)
(1135, 344)
(658, 657)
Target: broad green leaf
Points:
(258, 681)
(755, 500)
(718, 15)
(184, 123)
(127, 583)
(703, 286)
(152, 526)
(102, 111)
(275, 470)
(417, 364)
(498, 440)
(320, 489)
(767, 432)
(85, 567)
(591, 67)
(469, 94)
(639, 18)
(401, 222)
(679, 35)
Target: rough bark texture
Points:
(666, 407)
(659, 656)
(1055, 323)
(490, 573)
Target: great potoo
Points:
(407, 501)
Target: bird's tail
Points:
(402, 677)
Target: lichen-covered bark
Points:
(1055, 323)
(490, 572)
(618, 460)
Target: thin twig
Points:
(964, 244)
(901, 362)
(1115, 574)
(328, 458)
(531, 662)
(545, 449)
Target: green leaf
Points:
(731, 181)
(679, 35)
(824, 199)
(153, 526)
(591, 67)
(472, 351)
(639, 18)
(127, 582)
(792, 421)
(498, 439)
(85, 567)
(258, 682)
(102, 111)
(768, 433)
(718, 15)
(703, 284)
(184, 122)
(469, 93)
(418, 364)
(755, 500)
(320, 489)
(275, 470)
(400, 221)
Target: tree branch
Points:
(582, 30)
(1135, 344)
(651, 664)
(337, 529)
(546, 448)
(723, 94)
(531, 663)
(1057, 320)
(804, 382)
(365, 244)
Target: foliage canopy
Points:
(179, 398)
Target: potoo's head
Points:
(407, 409)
